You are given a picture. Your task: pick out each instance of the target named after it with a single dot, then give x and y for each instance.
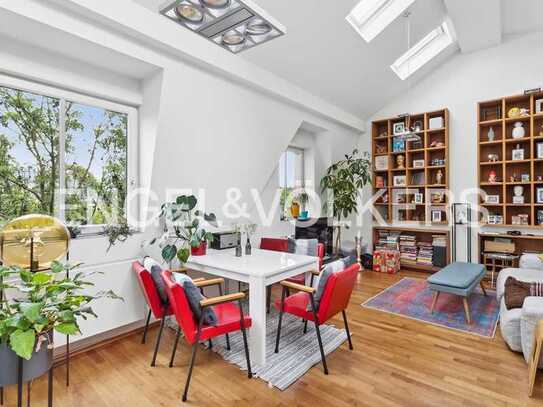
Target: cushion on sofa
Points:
(525, 275)
(516, 291)
(510, 326)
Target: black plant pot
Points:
(39, 364)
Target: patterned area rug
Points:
(297, 352)
(412, 298)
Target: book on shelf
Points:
(425, 255)
(387, 240)
(408, 249)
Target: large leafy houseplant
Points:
(344, 179)
(183, 228)
(36, 304)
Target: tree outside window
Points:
(291, 177)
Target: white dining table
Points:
(260, 269)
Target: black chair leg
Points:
(247, 357)
(50, 388)
(347, 329)
(192, 358)
(227, 342)
(283, 293)
(268, 298)
(146, 327)
(323, 357)
(157, 345)
(305, 326)
(210, 343)
(175, 346)
(1, 396)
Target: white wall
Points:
(198, 131)
(459, 85)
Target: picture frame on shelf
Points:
(421, 163)
(436, 216)
(539, 150)
(539, 106)
(517, 154)
(518, 199)
(398, 128)
(435, 123)
(398, 145)
(495, 220)
(419, 198)
(399, 181)
(525, 177)
(492, 199)
(381, 163)
(539, 195)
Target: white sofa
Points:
(517, 325)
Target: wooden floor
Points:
(396, 362)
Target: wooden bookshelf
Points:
(492, 116)
(422, 234)
(433, 150)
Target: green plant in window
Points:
(344, 179)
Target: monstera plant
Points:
(33, 305)
(183, 228)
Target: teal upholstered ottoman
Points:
(460, 279)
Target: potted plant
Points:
(183, 234)
(38, 305)
(344, 179)
(303, 199)
(117, 232)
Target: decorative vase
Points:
(199, 250)
(304, 215)
(518, 130)
(491, 134)
(239, 251)
(39, 364)
(295, 209)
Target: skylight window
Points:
(370, 17)
(423, 51)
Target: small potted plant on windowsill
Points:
(42, 303)
(303, 199)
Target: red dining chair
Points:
(335, 299)
(156, 308)
(281, 245)
(230, 319)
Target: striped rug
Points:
(297, 352)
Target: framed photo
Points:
(492, 199)
(539, 150)
(436, 216)
(419, 198)
(539, 106)
(539, 195)
(525, 178)
(420, 163)
(518, 199)
(398, 144)
(518, 155)
(398, 128)
(417, 126)
(399, 181)
(381, 162)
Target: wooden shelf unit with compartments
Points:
(425, 170)
(511, 166)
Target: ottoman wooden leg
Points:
(534, 358)
(466, 309)
(436, 295)
(483, 287)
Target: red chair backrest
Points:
(281, 245)
(149, 289)
(337, 292)
(275, 244)
(180, 306)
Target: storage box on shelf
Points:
(411, 177)
(510, 155)
(422, 249)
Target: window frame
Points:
(301, 152)
(132, 206)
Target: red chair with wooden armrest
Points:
(335, 299)
(230, 319)
(281, 245)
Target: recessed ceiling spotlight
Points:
(258, 27)
(233, 38)
(370, 17)
(235, 25)
(190, 13)
(215, 3)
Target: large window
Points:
(291, 177)
(62, 154)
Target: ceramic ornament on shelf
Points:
(518, 198)
(518, 130)
(491, 134)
